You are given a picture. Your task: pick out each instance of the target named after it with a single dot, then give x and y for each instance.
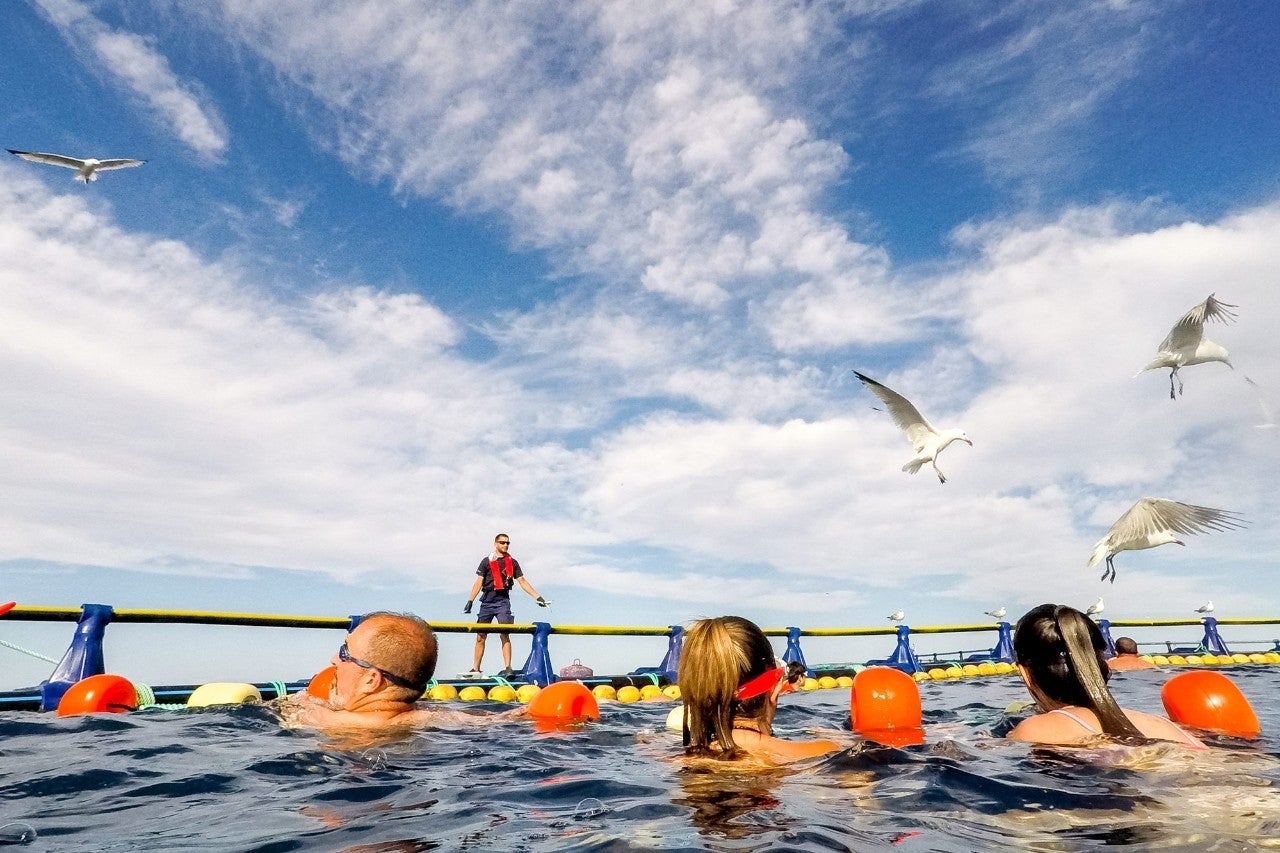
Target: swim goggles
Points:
(344, 655)
(764, 682)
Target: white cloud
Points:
(136, 64)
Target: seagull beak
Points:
(1179, 542)
(968, 442)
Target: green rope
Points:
(18, 648)
(280, 689)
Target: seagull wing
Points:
(1149, 515)
(50, 159)
(108, 165)
(904, 414)
(1188, 331)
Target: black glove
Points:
(542, 602)
(466, 608)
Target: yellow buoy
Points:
(1272, 657)
(443, 692)
(954, 672)
(526, 692)
(604, 691)
(675, 720)
(628, 694)
(1257, 657)
(502, 693)
(650, 691)
(970, 669)
(1177, 660)
(809, 684)
(223, 693)
(671, 691)
(1195, 660)
(826, 682)
(986, 668)
(918, 676)
(471, 693)
(1160, 660)
(938, 674)
(845, 681)
(1004, 667)
(1239, 657)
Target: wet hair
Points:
(1063, 652)
(1126, 646)
(405, 646)
(718, 656)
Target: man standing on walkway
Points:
(495, 577)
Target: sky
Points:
(398, 276)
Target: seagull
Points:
(1095, 608)
(998, 613)
(897, 616)
(86, 170)
(1186, 344)
(1207, 607)
(1155, 521)
(927, 441)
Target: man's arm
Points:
(528, 587)
(471, 596)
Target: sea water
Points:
(234, 779)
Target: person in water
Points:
(1060, 654)
(496, 575)
(730, 683)
(380, 673)
(1127, 657)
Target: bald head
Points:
(1126, 646)
(402, 645)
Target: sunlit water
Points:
(233, 779)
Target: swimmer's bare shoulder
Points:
(1162, 729)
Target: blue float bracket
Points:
(1212, 641)
(83, 657)
(1003, 650)
(670, 666)
(903, 657)
(1104, 625)
(794, 654)
(537, 669)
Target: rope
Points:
(280, 689)
(18, 648)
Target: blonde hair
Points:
(718, 656)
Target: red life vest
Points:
(502, 569)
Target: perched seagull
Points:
(998, 613)
(927, 441)
(897, 616)
(1095, 608)
(1155, 521)
(86, 170)
(1186, 344)
(1207, 607)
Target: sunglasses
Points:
(503, 542)
(344, 655)
(764, 682)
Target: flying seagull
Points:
(1095, 608)
(897, 616)
(86, 170)
(927, 441)
(1186, 344)
(998, 613)
(1207, 607)
(1155, 521)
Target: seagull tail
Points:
(913, 466)
(1099, 553)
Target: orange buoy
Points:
(562, 704)
(322, 682)
(113, 694)
(884, 706)
(1208, 700)
(7, 606)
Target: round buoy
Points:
(112, 694)
(1177, 660)
(1272, 657)
(810, 684)
(223, 693)
(471, 693)
(502, 693)
(884, 706)
(919, 675)
(1208, 700)
(526, 692)
(604, 691)
(970, 670)
(1004, 668)
(826, 682)
(986, 668)
(628, 694)
(1240, 657)
(1160, 660)
(651, 691)
(322, 682)
(1257, 657)
(844, 681)
(675, 719)
(672, 691)
(443, 692)
(564, 703)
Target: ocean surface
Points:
(233, 779)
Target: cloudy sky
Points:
(397, 276)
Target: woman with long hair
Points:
(730, 683)
(1060, 653)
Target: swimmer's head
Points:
(392, 655)
(1126, 646)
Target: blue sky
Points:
(396, 277)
